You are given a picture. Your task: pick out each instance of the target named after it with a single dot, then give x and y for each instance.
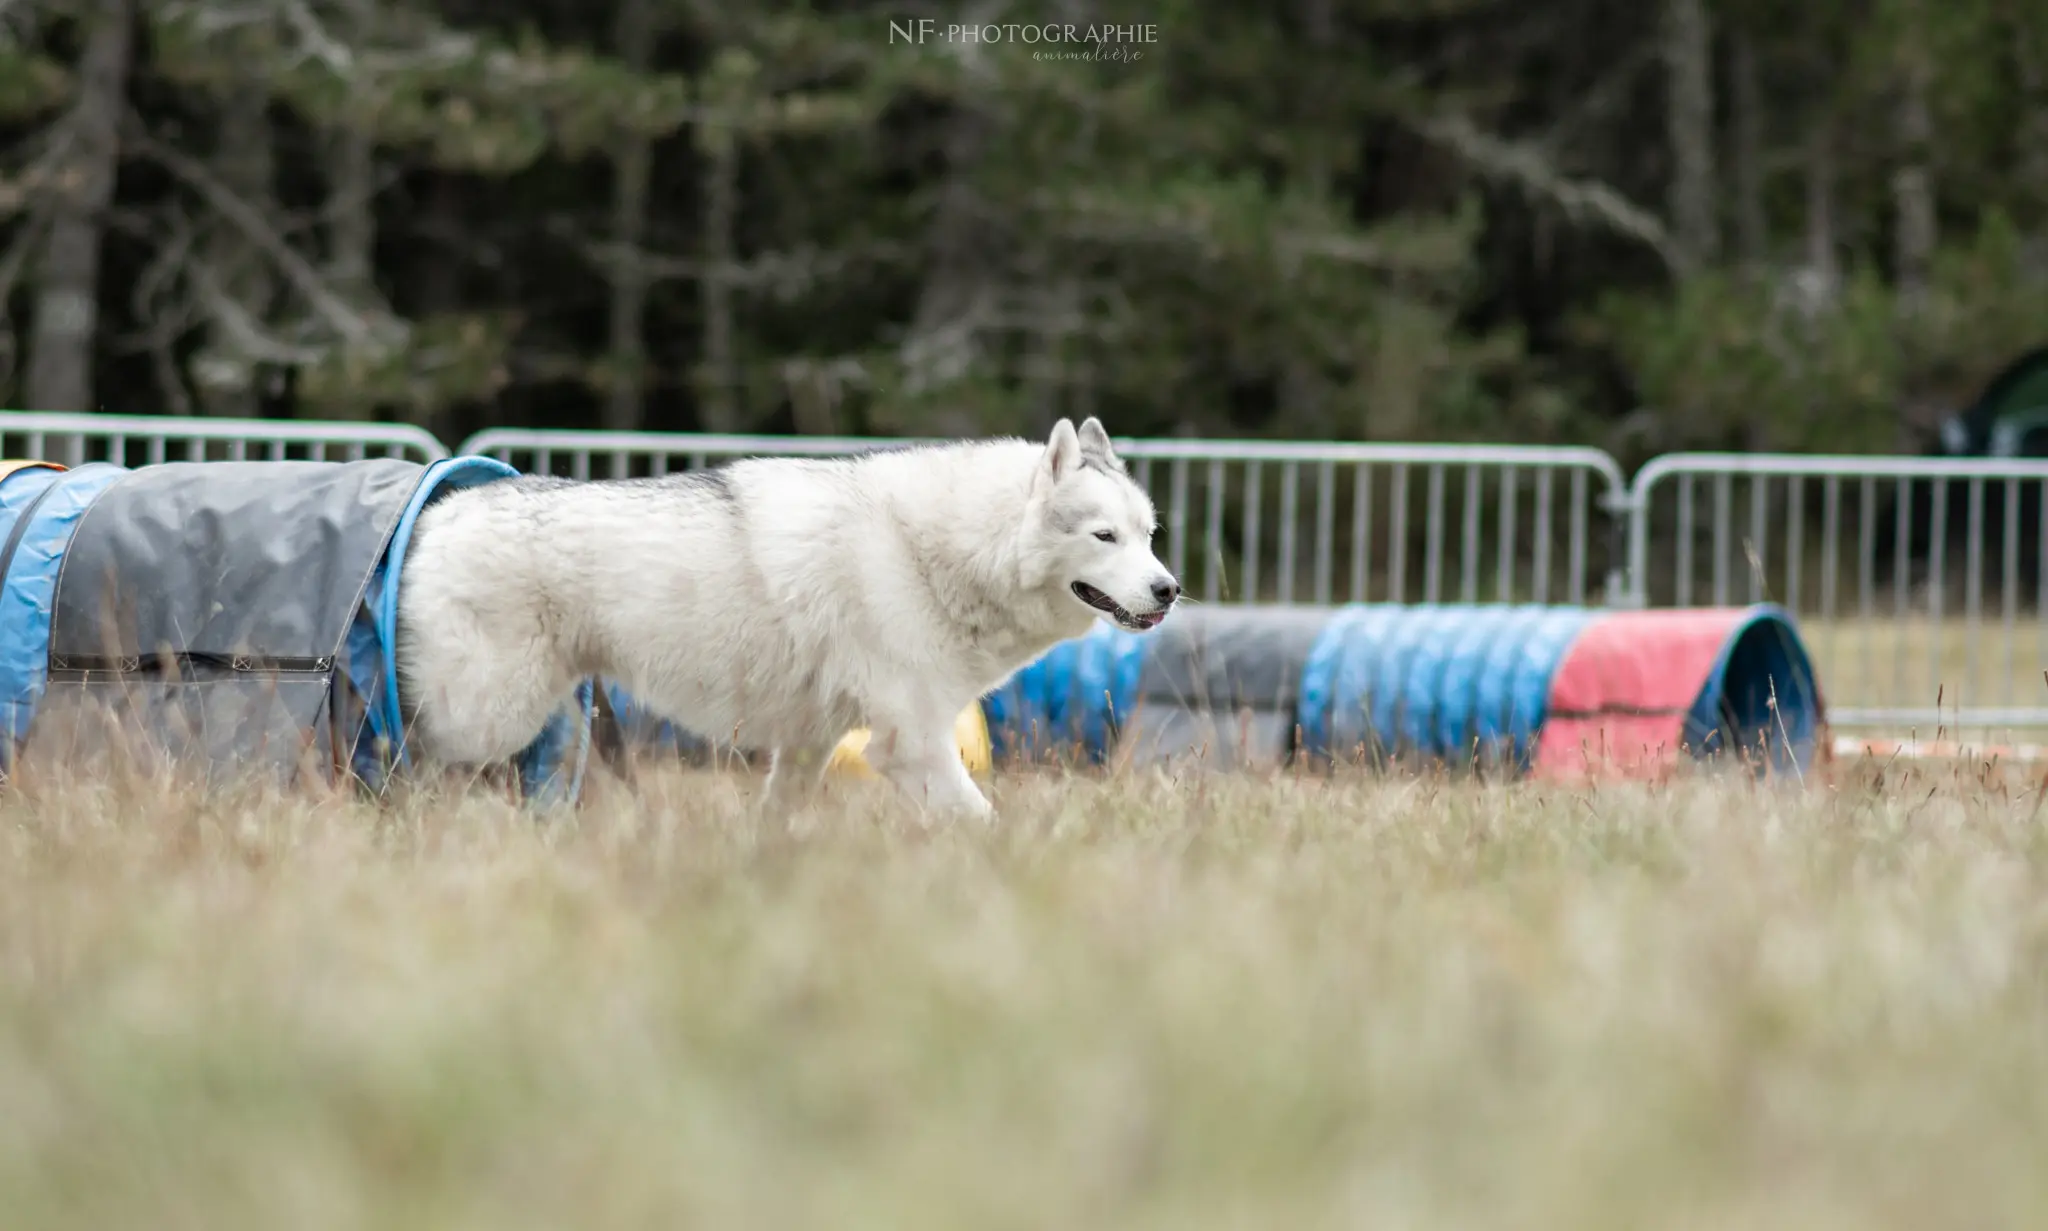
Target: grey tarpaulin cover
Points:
(1221, 683)
(208, 605)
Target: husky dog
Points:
(776, 601)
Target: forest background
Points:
(1645, 226)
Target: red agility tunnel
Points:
(1639, 691)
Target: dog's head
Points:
(1094, 530)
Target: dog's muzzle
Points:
(1109, 606)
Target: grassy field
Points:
(1142, 1002)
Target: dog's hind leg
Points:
(608, 737)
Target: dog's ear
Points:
(1095, 443)
(1062, 450)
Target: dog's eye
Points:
(1107, 536)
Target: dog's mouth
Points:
(1110, 607)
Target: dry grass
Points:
(1150, 1003)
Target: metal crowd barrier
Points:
(1248, 521)
(147, 440)
(1921, 584)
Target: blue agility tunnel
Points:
(1251, 685)
(1436, 683)
(1495, 685)
(236, 614)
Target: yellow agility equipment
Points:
(7, 468)
(970, 730)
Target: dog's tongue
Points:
(1151, 619)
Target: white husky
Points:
(776, 601)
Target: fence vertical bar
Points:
(1361, 533)
(1901, 611)
(2041, 580)
(1468, 548)
(1177, 521)
(1973, 589)
(1212, 531)
(1397, 531)
(1254, 478)
(2008, 589)
(1433, 537)
(1937, 574)
(1866, 585)
(1759, 537)
(1723, 498)
(1577, 566)
(1290, 511)
(1504, 564)
(1830, 560)
(1795, 535)
(1326, 516)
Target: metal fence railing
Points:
(144, 440)
(1279, 522)
(1921, 584)
(1396, 523)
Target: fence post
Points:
(1630, 509)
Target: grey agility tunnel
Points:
(236, 615)
(1561, 691)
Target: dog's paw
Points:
(965, 807)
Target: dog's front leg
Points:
(926, 766)
(794, 774)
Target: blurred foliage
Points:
(1357, 219)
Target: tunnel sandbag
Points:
(970, 735)
(1216, 686)
(235, 615)
(9, 467)
(1643, 690)
(1454, 683)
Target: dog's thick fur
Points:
(777, 602)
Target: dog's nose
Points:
(1166, 591)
